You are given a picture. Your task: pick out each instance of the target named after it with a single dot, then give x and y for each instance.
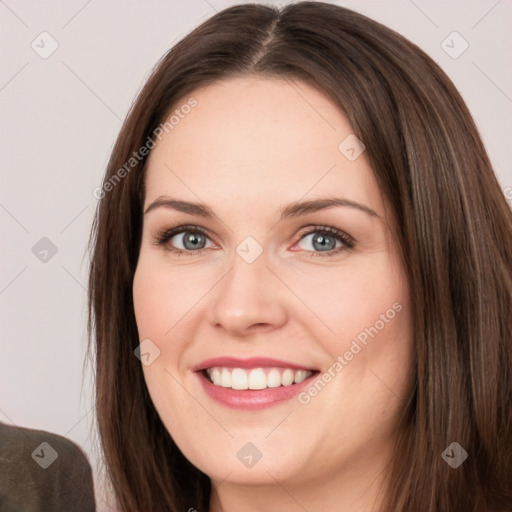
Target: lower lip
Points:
(252, 399)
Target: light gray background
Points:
(59, 119)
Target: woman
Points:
(301, 279)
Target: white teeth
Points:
(225, 380)
(216, 376)
(257, 378)
(273, 378)
(300, 375)
(239, 379)
(287, 377)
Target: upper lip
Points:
(252, 362)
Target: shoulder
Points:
(39, 467)
(22, 445)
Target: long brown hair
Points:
(454, 228)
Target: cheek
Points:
(157, 299)
(368, 313)
(149, 303)
(353, 298)
(158, 305)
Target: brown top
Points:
(42, 472)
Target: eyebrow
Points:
(292, 210)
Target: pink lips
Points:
(250, 399)
(253, 362)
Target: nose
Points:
(250, 298)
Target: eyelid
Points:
(162, 236)
(314, 228)
(347, 241)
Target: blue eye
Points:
(192, 238)
(325, 241)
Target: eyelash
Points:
(164, 235)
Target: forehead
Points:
(257, 139)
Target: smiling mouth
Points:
(256, 378)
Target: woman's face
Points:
(263, 295)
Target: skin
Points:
(251, 146)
